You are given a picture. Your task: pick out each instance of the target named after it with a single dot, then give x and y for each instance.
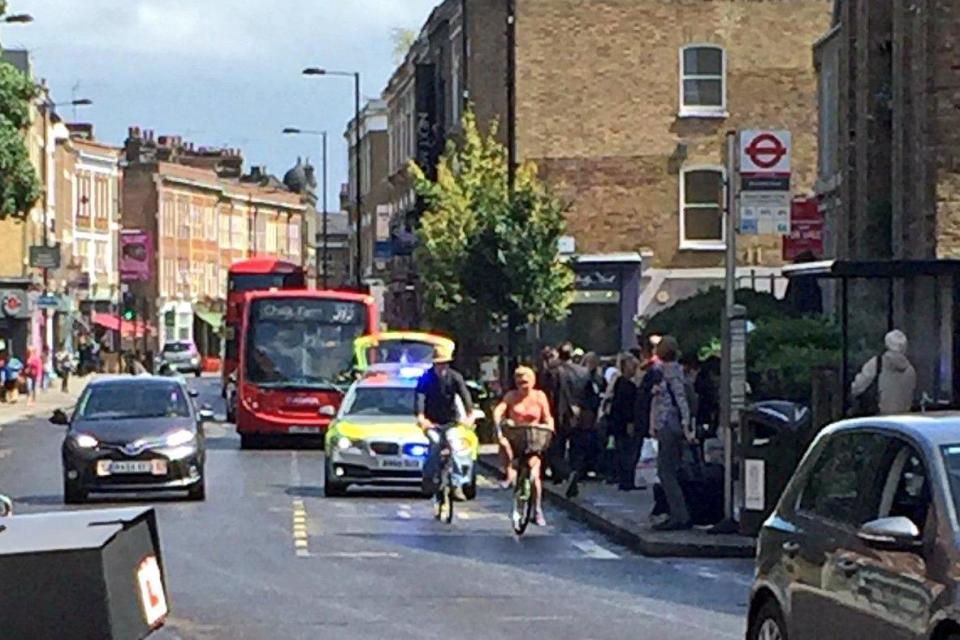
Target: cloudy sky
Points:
(217, 72)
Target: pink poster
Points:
(136, 256)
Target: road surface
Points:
(268, 557)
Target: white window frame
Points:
(702, 245)
(702, 111)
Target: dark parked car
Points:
(130, 434)
(865, 541)
(182, 356)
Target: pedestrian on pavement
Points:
(672, 425)
(622, 423)
(648, 377)
(570, 382)
(887, 382)
(584, 442)
(546, 372)
(64, 367)
(607, 443)
(691, 371)
(13, 371)
(707, 386)
(34, 374)
(47, 369)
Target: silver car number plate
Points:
(304, 430)
(400, 463)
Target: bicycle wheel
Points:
(522, 503)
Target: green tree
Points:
(402, 40)
(19, 185)
(484, 259)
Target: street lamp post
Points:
(316, 71)
(323, 135)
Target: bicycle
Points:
(443, 495)
(526, 441)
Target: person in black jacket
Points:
(622, 423)
(649, 377)
(570, 382)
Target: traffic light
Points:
(129, 311)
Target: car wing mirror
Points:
(328, 410)
(206, 413)
(193, 393)
(891, 534)
(6, 507)
(59, 417)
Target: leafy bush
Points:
(695, 321)
(782, 354)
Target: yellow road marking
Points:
(299, 530)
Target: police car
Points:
(375, 439)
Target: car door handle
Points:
(791, 548)
(847, 566)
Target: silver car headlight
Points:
(85, 441)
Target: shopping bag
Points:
(646, 471)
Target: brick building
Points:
(623, 105)
(889, 171)
(374, 187)
(202, 213)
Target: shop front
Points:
(601, 317)
(16, 318)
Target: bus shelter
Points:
(871, 297)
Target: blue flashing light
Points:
(416, 450)
(413, 373)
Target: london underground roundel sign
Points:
(765, 152)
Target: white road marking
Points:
(404, 514)
(594, 551)
(357, 555)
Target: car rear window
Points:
(176, 347)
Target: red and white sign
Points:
(12, 303)
(765, 152)
(153, 599)
(806, 230)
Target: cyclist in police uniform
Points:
(438, 392)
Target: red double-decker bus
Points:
(244, 276)
(296, 357)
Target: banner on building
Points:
(428, 138)
(136, 256)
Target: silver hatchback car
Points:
(865, 541)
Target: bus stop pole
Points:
(730, 272)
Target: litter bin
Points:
(773, 437)
(98, 574)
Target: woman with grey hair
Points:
(672, 426)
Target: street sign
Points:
(42, 257)
(765, 152)
(765, 182)
(806, 230)
(765, 212)
(14, 304)
(48, 301)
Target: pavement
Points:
(624, 517)
(47, 401)
(266, 556)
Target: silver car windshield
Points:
(380, 401)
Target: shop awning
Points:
(115, 323)
(212, 318)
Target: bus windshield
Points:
(301, 342)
